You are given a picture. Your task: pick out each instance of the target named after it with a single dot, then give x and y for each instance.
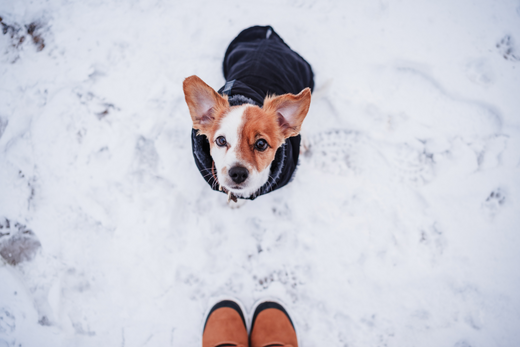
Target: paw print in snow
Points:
(17, 35)
(17, 243)
(96, 104)
(7, 321)
(494, 201)
(433, 238)
(288, 278)
(506, 47)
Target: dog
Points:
(245, 137)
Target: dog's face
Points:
(244, 139)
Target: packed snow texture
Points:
(401, 227)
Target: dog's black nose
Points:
(238, 174)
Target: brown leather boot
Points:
(225, 326)
(272, 327)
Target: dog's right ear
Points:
(204, 103)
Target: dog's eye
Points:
(221, 141)
(261, 145)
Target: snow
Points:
(401, 227)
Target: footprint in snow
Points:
(506, 47)
(337, 151)
(7, 321)
(410, 165)
(345, 152)
(17, 243)
(494, 202)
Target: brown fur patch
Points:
(259, 124)
(280, 118)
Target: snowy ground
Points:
(401, 228)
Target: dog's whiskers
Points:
(212, 180)
(270, 182)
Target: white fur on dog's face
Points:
(226, 157)
(244, 137)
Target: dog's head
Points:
(244, 139)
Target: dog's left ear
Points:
(290, 109)
(203, 102)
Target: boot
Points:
(272, 327)
(225, 326)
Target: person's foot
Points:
(272, 327)
(225, 326)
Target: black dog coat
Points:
(259, 63)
